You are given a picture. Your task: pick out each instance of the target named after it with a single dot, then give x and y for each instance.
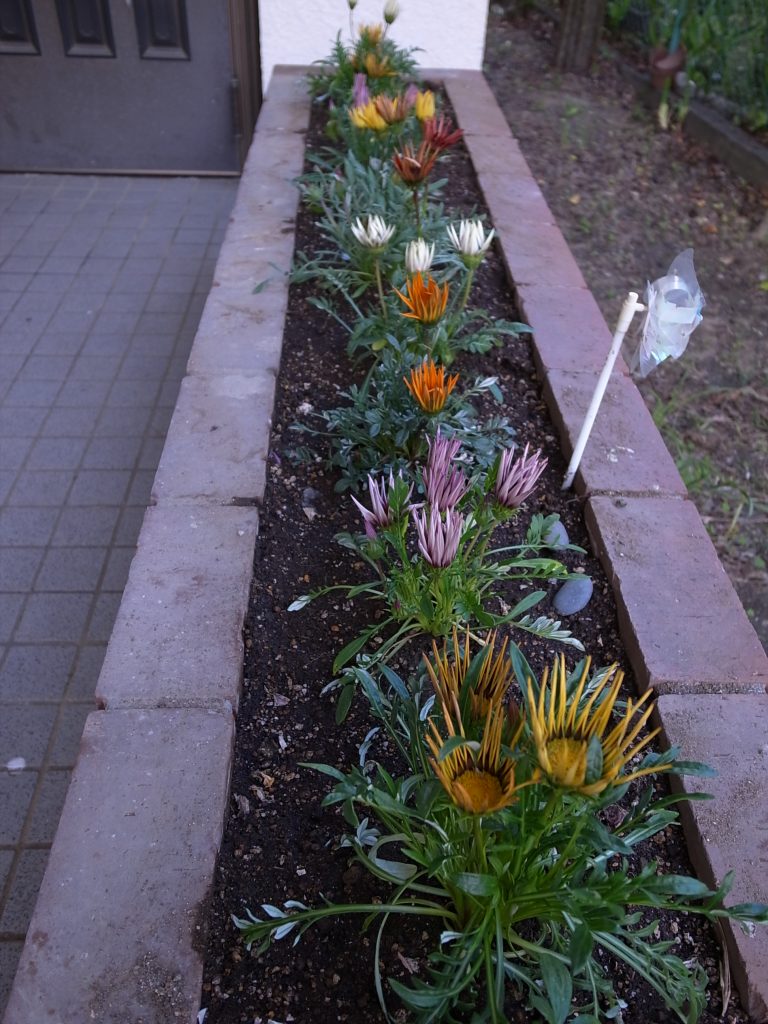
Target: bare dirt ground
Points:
(628, 197)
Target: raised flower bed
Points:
(637, 482)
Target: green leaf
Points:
(344, 703)
(350, 650)
(454, 743)
(325, 769)
(558, 985)
(681, 885)
(476, 885)
(580, 948)
(261, 286)
(757, 912)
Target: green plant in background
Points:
(385, 424)
(498, 832)
(434, 564)
(726, 45)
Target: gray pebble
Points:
(556, 536)
(573, 596)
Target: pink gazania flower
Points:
(360, 94)
(438, 537)
(444, 484)
(380, 514)
(516, 480)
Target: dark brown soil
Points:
(628, 197)
(279, 844)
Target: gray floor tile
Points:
(10, 952)
(67, 569)
(27, 393)
(129, 527)
(18, 567)
(83, 392)
(47, 808)
(49, 617)
(25, 731)
(71, 421)
(6, 859)
(26, 885)
(86, 527)
(103, 618)
(68, 734)
(112, 453)
(82, 685)
(26, 527)
(118, 564)
(36, 672)
(16, 789)
(41, 487)
(13, 451)
(10, 609)
(19, 422)
(57, 453)
(100, 487)
(52, 368)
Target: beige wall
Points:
(451, 33)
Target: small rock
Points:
(573, 596)
(556, 536)
(309, 512)
(309, 496)
(16, 764)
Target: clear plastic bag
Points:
(674, 303)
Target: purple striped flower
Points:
(360, 94)
(380, 513)
(444, 484)
(438, 537)
(516, 480)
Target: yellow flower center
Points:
(477, 791)
(567, 761)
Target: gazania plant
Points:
(385, 423)
(435, 567)
(528, 885)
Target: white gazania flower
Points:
(376, 235)
(470, 241)
(391, 11)
(418, 256)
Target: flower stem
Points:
(380, 287)
(467, 289)
(417, 209)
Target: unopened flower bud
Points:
(391, 11)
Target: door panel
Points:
(121, 85)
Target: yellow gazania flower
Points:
(377, 67)
(429, 386)
(573, 748)
(478, 783)
(426, 301)
(424, 107)
(367, 116)
(492, 681)
(371, 34)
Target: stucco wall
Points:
(451, 33)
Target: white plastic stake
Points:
(628, 310)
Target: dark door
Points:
(121, 85)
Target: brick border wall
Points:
(113, 936)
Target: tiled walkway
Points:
(102, 282)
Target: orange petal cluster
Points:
(426, 300)
(429, 387)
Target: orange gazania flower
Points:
(391, 110)
(415, 166)
(429, 386)
(439, 133)
(426, 301)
